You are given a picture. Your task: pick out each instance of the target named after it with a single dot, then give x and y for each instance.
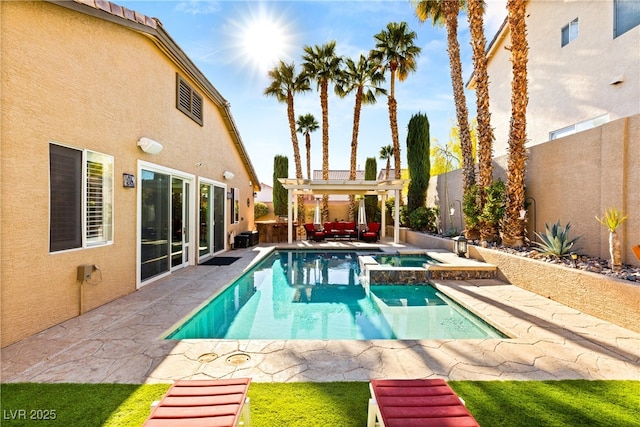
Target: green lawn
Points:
(493, 403)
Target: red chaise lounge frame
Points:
(420, 402)
(195, 403)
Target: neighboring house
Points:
(265, 195)
(583, 70)
(583, 121)
(121, 163)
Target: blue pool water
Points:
(318, 295)
(405, 260)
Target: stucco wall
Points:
(90, 84)
(573, 179)
(567, 84)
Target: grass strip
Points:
(493, 403)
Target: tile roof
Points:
(122, 12)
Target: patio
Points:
(121, 341)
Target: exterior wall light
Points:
(150, 146)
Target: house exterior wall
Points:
(87, 83)
(572, 179)
(570, 84)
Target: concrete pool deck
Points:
(121, 342)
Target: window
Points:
(626, 15)
(235, 205)
(81, 198)
(188, 100)
(579, 127)
(570, 32)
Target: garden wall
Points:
(570, 179)
(607, 298)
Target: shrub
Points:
(555, 240)
(493, 211)
(423, 219)
(404, 216)
(260, 209)
(471, 207)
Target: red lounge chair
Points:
(407, 403)
(191, 403)
(372, 234)
(313, 233)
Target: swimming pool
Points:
(405, 260)
(318, 295)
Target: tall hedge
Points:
(371, 202)
(418, 161)
(280, 170)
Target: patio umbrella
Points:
(317, 216)
(362, 218)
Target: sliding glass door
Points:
(164, 222)
(212, 214)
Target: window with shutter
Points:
(65, 212)
(81, 198)
(188, 100)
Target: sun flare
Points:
(263, 38)
(264, 43)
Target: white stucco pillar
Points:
(289, 222)
(396, 223)
(383, 232)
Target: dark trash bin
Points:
(241, 241)
(254, 237)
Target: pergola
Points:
(335, 186)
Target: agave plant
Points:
(555, 241)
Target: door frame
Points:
(186, 177)
(212, 182)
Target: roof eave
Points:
(152, 28)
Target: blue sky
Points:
(232, 43)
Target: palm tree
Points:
(396, 51)
(322, 65)
(306, 125)
(285, 83)
(513, 223)
(446, 11)
(363, 78)
(386, 152)
(485, 132)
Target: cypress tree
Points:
(371, 202)
(280, 170)
(418, 160)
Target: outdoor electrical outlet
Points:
(84, 272)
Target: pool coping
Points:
(121, 341)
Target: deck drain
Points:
(238, 359)
(207, 357)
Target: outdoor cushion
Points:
(218, 403)
(405, 403)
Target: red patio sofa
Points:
(341, 230)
